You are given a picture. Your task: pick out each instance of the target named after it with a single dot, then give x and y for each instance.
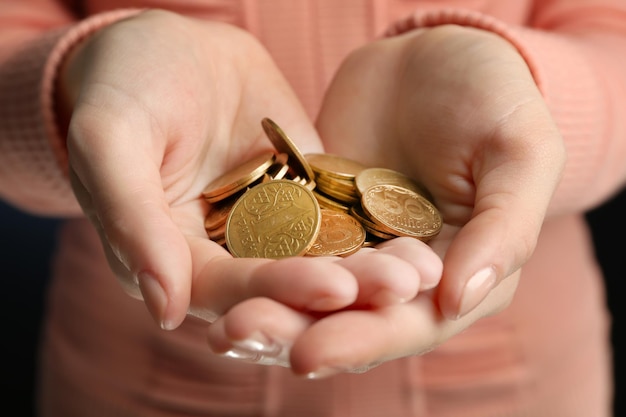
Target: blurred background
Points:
(608, 224)
(27, 242)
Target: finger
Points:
(352, 340)
(124, 184)
(515, 180)
(86, 203)
(258, 330)
(368, 278)
(308, 284)
(358, 340)
(427, 263)
(383, 279)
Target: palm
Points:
(458, 110)
(153, 125)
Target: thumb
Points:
(515, 180)
(119, 187)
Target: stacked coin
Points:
(283, 203)
(335, 180)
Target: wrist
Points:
(59, 104)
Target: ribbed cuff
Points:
(50, 71)
(33, 172)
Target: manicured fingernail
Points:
(258, 342)
(326, 372)
(476, 289)
(155, 298)
(242, 355)
(322, 373)
(258, 358)
(261, 350)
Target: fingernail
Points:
(258, 358)
(258, 342)
(259, 349)
(324, 372)
(154, 297)
(476, 290)
(242, 355)
(385, 298)
(324, 304)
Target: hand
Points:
(458, 110)
(160, 105)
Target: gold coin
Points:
(275, 219)
(310, 185)
(345, 186)
(279, 168)
(402, 211)
(347, 197)
(340, 235)
(218, 234)
(238, 178)
(380, 232)
(329, 202)
(302, 181)
(334, 165)
(218, 213)
(372, 240)
(376, 176)
(284, 144)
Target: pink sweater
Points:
(548, 354)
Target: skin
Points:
(465, 118)
(151, 123)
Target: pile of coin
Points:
(283, 203)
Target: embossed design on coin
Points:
(275, 219)
(340, 235)
(401, 211)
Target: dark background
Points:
(26, 243)
(608, 224)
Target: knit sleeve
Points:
(33, 157)
(579, 67)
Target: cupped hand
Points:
(159, 105)
(458, 110)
